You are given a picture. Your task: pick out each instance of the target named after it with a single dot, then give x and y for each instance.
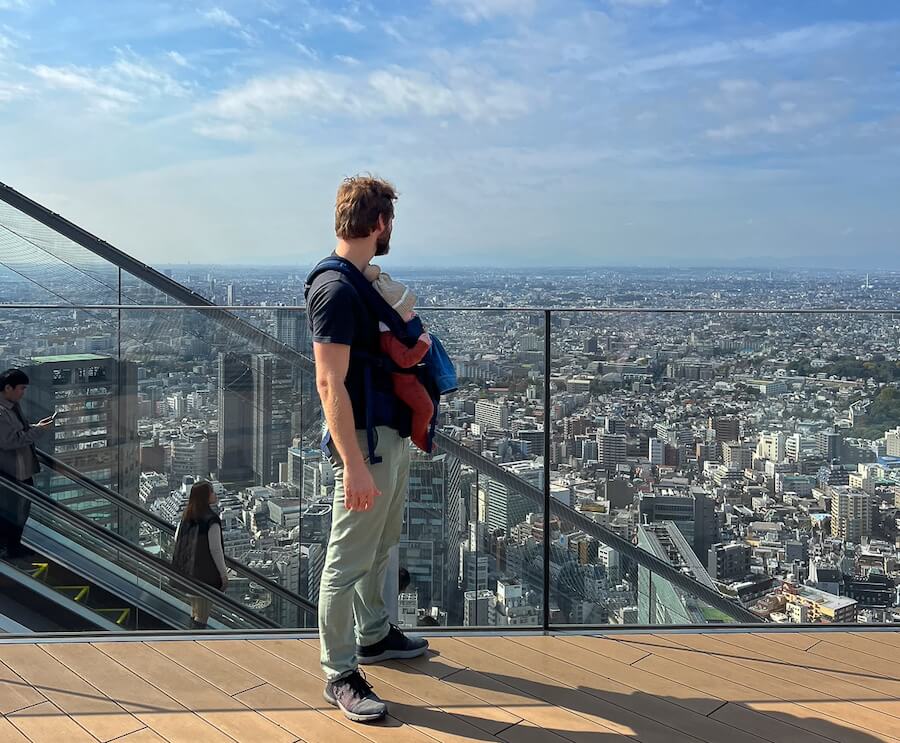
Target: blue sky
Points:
(519, 132)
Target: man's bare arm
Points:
(332, 363)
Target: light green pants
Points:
(354, 571)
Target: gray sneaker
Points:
(395, 646)
(353, 695)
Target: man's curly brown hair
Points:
(361, 200)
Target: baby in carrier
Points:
(407, 386)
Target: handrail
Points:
(142, 513)
(612, 310)
(32, 494)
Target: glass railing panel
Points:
(218, 402)
(468, 540)
(747, 450)
(43, 266)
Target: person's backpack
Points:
(436, 372)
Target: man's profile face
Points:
(383, 243)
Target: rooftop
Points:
(69, 357)
(824, 598)
(736, 687)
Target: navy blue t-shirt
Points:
(337, 314)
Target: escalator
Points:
(85, 575)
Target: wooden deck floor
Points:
(684, 688)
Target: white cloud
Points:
(232, 132)
(85, 82)
(126, 82)
(131, 68)
(641, 3)
(475, 11)
(14, 4)
(349, 24)
(178, 59)
(306, 51)
(221, 17)
(384, 93)
(11, 91)
(804, 40)
(346, 59)
(788, 120)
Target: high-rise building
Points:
(530, 342)
(793, 447)
(771, 446)
(829, 444)
(433, 528)
(189, 456)
(272, 408)
(506, 509)
(692, 511)
(676, 434)
(736, 456)
(892, 438)
(611, 449)
(292, 329)
(231, 294)
(726, 427)
(95, 431)
(656, 452)
(235, 455)
(851, 514)
(492, 414)
(512, 607)
(729, 562)
(473, 562)
(478, 608)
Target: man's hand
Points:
(44, 422)
(359, 488)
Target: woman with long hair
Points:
(199, 548)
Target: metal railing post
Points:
(547, 443)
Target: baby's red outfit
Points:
(407, 386)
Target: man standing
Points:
(17, 458)
(370, 496)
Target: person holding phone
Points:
(18, 459)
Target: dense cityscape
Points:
(757, 451)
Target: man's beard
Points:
(383, 244)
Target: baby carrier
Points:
(436, 372)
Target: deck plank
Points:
(784, 677)
(307, 689)
(15, 692)
(222, 711)
(47, 723)
(408, 707)
(566, 702)
(656, 708)
(158, 711)
(75, 697)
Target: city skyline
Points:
(673, 133)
